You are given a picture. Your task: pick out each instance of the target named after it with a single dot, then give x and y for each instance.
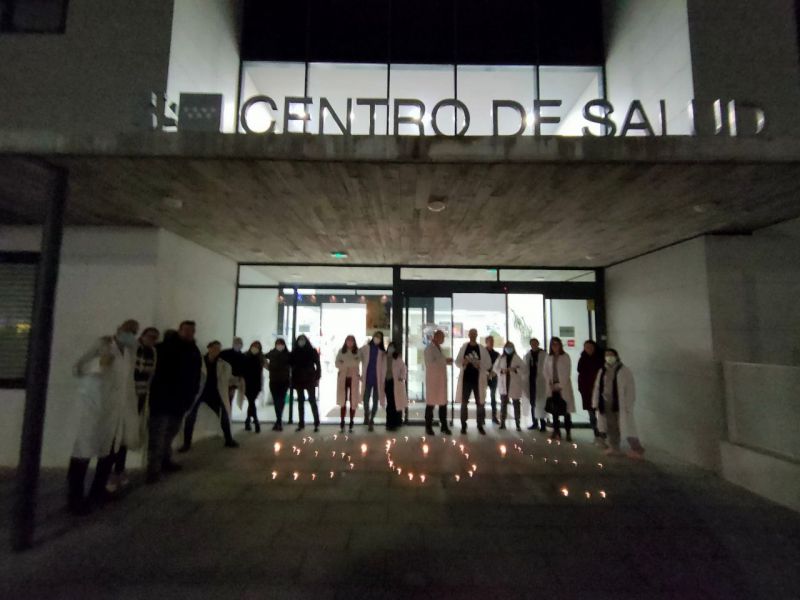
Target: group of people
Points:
(545, 379)
(136, 388)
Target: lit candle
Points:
(391, 463)
(555, 461)
(351, 466)
(343, 453)
(599, 465)
(461, 447)
(575, 463)
(588, 495)
(466, 455)
(564, 491)
(277, 447)
(422, 478)
(458, 478)
(503, 450)
(470, 473)
(333, 454)
(602, 494)
(575, 446)
(399, 471)
(425, 449)
(346, 438)
(405, 437)
(304, 440)
(298, 452)
(313, 477)
(363, 449)
(474, 467)
(331, 474)
(549, 441)
(335, 437)
(411, 477)
(454, 442)
(274, 475)
(295, 475)
(316, 453)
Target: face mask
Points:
(126, 338)
(376, 340)
(301, 343)
(611, 360)
(253, 350)
(509, 351)
(280, 347)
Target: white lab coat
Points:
(349, 365)
(541, 386)
(564, 378)
(399, 377)
(225, 380)
(626, 391)
(517, 379)
(380, 371)
(435, 376)
(108, 405)
(483, 368)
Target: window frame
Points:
(24, 258)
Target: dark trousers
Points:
(471, 388)
(567, 423)
(76, 478)
(369, 413)
(504, 410)
(593, 421)
(301, 403)
(162, 430)
(493, 395)
(278, 390)
(348, 398)
(251, 407)
(214, 403)
(442, 417)
(394, 418)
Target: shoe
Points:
(258, 427)
(280, 427)
(429, 430)
(371, 426)
(463, 429)
(276, 427)
(247, 426)
(495, 421)
(171, 467)
(555, 435)
(341, 427)
(316, 428)
(350, 429)
(502, 425)
(232, 444)
(300, 428)
(481, 430)
(533, 427)
(446, 431)
(184, 449)
(569, 437)
(543, 428)
(600, 442)
(518, 427)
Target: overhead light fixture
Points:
(589, 257)
(699, 208)
(437, 203)
(339, 254)
(170, 202)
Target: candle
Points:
(313, 477)
(351, 466)
(295, 475)
(335, 437)
(274, 475)
(454, 442)
(425, 449)
(363, 449)
(575, 463)
(316, 453)
(405, 437)
(391, 463)
(333, 454)
(503, 450)
(343, 453)
(458, 478)
(599, 465)
(422, 478)
(564, 491)
(470, 473)
(575, 446)
(466, 455)
(331, 474)
(474, 467)
(411, 477)
(461, 447)
(588, 495)
(277, 447)
(602, 494)
(549, 441)
(346, 438)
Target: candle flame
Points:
(588, 495)
(351, 466)
(399, 471)
(363, 448)
(466, 455)
(331, 474)
(313, 477)
(335, 437)
(458, 478)
(277, 447)
(422, 478)
(470, 473)
(425, 449)
(575, 462)
(602, 494)
(411, 477)
(295, 475)
(274, 474)
(564, 491)
(503, 450)
(316, 453)
(474, 467)
(461, 447)
(405, 437)
(600, 465)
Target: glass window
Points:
(33, 16)
(17, 280)
(533, 275)
(340, 82)
(428, 84)
(574, 86)
(479, 86)
(433, 273)
(304, 275)
(276, 80)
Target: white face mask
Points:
(301, 343)
(126, 338)
(280, 347)
(611, 360)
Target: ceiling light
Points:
(338, 254)
(170, 202)
(437, 204)
(589, 257)
(699, 208)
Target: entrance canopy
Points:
(558, 202)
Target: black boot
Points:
(258, 427)
(247, 424)
(429, 430)
(76, 503)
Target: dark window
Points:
(275, 31)
(33, 16)
(349, 31)
(17, 282)
(423, 32)
(570, 33)
(496, 32)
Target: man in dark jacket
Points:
(589, 365)
(173, 390)
(236, 359)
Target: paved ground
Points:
(224, 528)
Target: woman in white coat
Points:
(373, 369)
(109, 416)
(396, 396)
(474, 363)
(613, 398)
(558, 387)
(535, 389)
(436, 364)
(510, 371)
(348, 384)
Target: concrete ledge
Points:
(764, 474)
(405, 149)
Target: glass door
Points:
(423, 316)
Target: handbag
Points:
(556, 405)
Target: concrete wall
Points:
(204, 55)
(659, 318)
(106, 276)
(96, 77)
(747, 50)
(648, 58)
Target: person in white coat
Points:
(216, 379)
(373, 369)
(109, 416)
(348, 384)
(396, 396)
(558, 386)
(510, 371)
(474, 362)
(535, 388)
(613, 398)
(436, 364)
